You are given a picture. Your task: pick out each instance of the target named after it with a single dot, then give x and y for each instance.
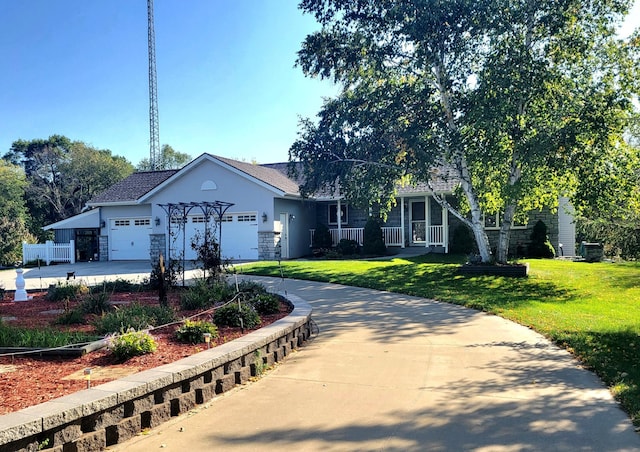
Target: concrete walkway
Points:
(397, 373)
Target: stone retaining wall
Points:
(114, 412)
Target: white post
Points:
(47, 251)
(72, 251)
(445, 229)
(427, 222)
(339, 214)
(402, 220)
(21, 294)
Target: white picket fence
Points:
(49, 252)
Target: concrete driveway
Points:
(397, 373)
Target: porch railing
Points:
(49, 252)
(392, 235)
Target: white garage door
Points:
(239, 236)
(129, 239)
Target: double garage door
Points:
(129, 237)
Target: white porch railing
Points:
(392, 235)
(436, 236)
(49, 252)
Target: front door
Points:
(418, 222)
(284, 235)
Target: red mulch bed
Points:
(36, 380)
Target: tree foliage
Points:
(62, 175)
(13, 214)
(169, 158)
(510, 98)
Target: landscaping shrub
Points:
(251, 287)
(266, 303)
(347, 247)
(204, 294)
(373, 241)
(66, 291)
(135, 316)
(192, 331)
(322, 237)
(73, 317)
(96, 303)
(540, 245)
(132, 343)
(40, 338)
(462, 241)
(118, 285)
(197, 296)
(232, 313)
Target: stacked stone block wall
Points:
(114, 412)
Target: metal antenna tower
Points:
(154, 133)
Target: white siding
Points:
(566, 227)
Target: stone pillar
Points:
(103, 248)
(267, 243)
(158, 245)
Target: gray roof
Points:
(273, 174)
(133, 187)
(138, 184)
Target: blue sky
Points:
(227, 84)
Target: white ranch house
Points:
(265, 216)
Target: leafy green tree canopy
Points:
(169, 158)
(507, 97)
(13, 213)
(62, 175)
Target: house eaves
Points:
(267, 178)
(129, 190)
(85, 220)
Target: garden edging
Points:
(114, 412)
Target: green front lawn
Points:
(591, 309)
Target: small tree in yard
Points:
(540, 245)
(510, 98)
(373, 241)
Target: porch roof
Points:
(84, 220)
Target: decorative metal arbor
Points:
(178, 213)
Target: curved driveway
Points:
(397, 373)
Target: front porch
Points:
(393, 236)
(416, 221)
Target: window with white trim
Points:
(246, 218)
(121, 223)
(494, 221)
(333, 214)
(199, 219)
(142, 222)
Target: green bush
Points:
(347, 247)
(132, 343)
(204, 294)
(462, 241)
(540, 245)
(232, 313)
(41, 337)
(118, 285)
(73, 317)
(192, 331)
(266, 303)
(197, 296)
(373, 241)
(251, 287)
(96, 303)
(322, 237)
(134, 316)
(66, 291)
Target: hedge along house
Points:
(265, 217)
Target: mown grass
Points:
(593, 310)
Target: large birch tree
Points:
(506, 96)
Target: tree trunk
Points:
(502, 252)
